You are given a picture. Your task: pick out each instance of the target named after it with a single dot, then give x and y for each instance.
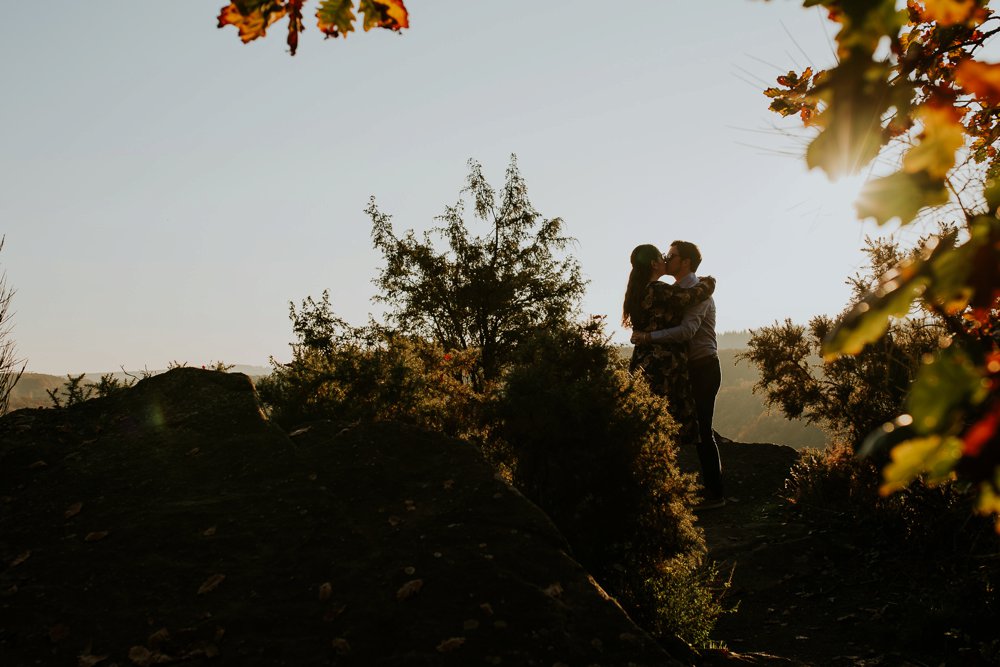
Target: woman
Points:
(651, 305)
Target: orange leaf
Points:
(980, 79)
(251, 17)
(211, 583)
(409, 589)
(325, 590)
(390, 14)
(73, 510)
(948, 12)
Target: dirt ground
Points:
(805, 592)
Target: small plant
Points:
(73, 392)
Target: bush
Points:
(593, 448)
(350, 375)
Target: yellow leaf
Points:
(409, 589)
(980, 79)
(943, 134)
(335, 19)
(948, 12)
(900, 195)
(934, 455)
(390, 14)
(211, 583)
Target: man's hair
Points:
(688, 250)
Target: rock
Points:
(220, 529)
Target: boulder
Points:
(174, 523)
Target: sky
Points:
(167, 190)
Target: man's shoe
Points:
(710, 504)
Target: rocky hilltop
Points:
(174, 523)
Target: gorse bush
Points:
(593, 448)
(350, 375)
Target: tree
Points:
(931, 99)
(335, 18)
(849, 395)
(10, 372)
(481, 292)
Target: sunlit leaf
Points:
(390, 14)
(948, 12)
(980, 79)
(336, 17)
(900, 195)
(934, 455)
(251, 17)
(870, 318)
(942, 135)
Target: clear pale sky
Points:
(167, 190)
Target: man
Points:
(697, 329)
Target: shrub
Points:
(366, 374)
(592, 446)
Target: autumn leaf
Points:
(251, 17)
(325, 590)
(294, 24)
(23, 556)
(341, 646)
(943, 134)
(409, 589)
(450, 644)
(947, 12)
(209, 532)
(336, 17)
(390, 14)
(73, 510)
(211, 583)
(96, 536)
(553, 590)
(88, 660)
(980, 79)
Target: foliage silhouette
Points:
(479, 292)
(930, 98)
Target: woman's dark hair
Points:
(642, 260)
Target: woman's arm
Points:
(679, 298)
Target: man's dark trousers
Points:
(706, 379)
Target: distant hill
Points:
(742, 415)
(32, 389)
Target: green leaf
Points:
(870, 318)
(934, 455)
(943, 389)
(336, 17)
(900, 195)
